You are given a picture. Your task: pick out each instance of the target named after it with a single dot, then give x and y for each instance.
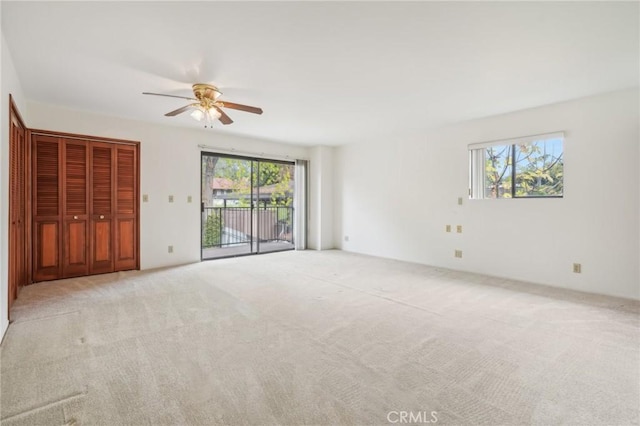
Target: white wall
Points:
(394, 200)
(321, 198)
(10, 85)
(169, 165)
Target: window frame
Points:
(477, 167)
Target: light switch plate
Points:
(171, 198)
(145, 198)
(447, 228)
(459, 229)
(189, 199)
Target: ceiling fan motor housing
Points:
(205, 91)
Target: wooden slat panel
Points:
(21, 251)
(126, 181)
(101, 184)
(16, 211)
(47, 174)
(76, 179)
(22, 174)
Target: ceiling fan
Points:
(206, 105)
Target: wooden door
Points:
(102, 172)
(75, 202)
(85, 205)
(47, 201)
(126, 210)
(18, 258)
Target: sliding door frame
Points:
(253, 241)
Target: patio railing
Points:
(227, 226)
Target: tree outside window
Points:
(525, 169)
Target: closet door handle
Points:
(75, 217)
(101, 216)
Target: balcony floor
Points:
(239, 250)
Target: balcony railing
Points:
(229, 226)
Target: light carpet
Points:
(317, 338)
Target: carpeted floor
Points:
(317, 338)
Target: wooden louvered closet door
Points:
(85, 206)
(18, 249)
(102, 206)
(47, 199)
(75, 217)
(126, 212)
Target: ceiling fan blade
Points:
(240, 107)
(224, 118)
(170, 96)
(180, 110)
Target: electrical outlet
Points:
(459, 229)
(170, 249)
(458, 254)
(577, 268)
(346, 238)
(171, 198)
(459, 201)
(189, 199)
(447, 228)
(145, 198)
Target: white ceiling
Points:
(324, 72)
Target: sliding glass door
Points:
(246, 206)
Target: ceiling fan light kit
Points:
(199, 113)
(207, 105)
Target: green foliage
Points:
(270, 174)
(538, 171)
(212, 230)
(498, 172)
(238, 172)
(284, 215)
(243, 175)
(208, 167)
(281, 195)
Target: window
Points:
(526, 167)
